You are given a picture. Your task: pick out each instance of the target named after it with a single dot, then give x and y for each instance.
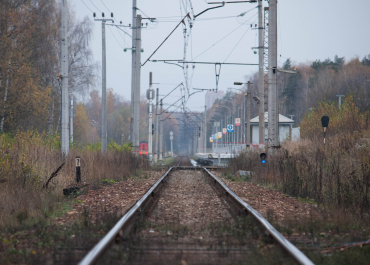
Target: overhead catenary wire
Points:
(86, 6)
(237, 43)
(142, 12)
(96, 7)
(105, 6)
(219, 40)
(115, 38)
(124, 40)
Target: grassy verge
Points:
(335, 177)
(31, 196)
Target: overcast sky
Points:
(307, 30)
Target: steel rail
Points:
(99, 248)
(282, 241)
(226, 194)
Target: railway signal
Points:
(263, 158)
(325, 124)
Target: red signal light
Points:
(140, 152)
(146, 152)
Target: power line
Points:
(220, 40)
(143, 12)
(237, 43)
(105, 6)
(86, 6)
(123, 37)
(95, 6)
(115, 38)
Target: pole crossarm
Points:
(222, 5)
(190, 62)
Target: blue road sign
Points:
(214, 137)
(230, 128)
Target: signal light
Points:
(263, 158)
(146, 152)
(140, 152)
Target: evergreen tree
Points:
(366, 60)
(287, 64)
(291, 92)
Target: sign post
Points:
(325, 124)
(78, 169)
(237, 121)
(224, 131)
(171, 138)
(230, 128)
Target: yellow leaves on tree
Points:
(83, 132)
(347, 118)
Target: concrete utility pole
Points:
(135, 79)
(104, 92)
(104, 86)
(340, 100)
(273, 116)
(248, 95)
(64, 70)
(161, 134)
(156, 128)
(150, 136)
(261, 89)
(205, 130)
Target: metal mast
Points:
(64, 70)
(273, 131)
(261, 90)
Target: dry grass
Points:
(336, 176)
(28, 160)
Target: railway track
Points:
(190, 217)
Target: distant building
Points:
(212, 96)
(284, 125)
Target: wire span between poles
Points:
(170, 92)
(182, 21)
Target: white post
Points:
(205, 130)
(156, 127)
(71, 119)
(161, 134)
(248, 140)
(64, 70)
(150, 136)
(171, 138)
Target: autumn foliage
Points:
(344, 119)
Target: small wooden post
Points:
(78, 169)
